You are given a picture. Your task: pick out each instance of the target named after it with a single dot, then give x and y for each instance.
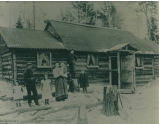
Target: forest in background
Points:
(31, 15)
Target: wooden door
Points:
(127, 71)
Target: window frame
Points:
(96, 60)
(50, 60)
(141, 62)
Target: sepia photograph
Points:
(79, 62)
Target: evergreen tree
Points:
(19, 23)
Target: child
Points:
(46, 89)
(18, 95)
(83, 81)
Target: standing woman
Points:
(63, 78)
(60, 82)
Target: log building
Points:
(107, 55)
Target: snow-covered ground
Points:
(141, 107)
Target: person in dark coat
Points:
(71, 60)
(83, 81)
(30, 85)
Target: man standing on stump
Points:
(71, 59)
(30, 85)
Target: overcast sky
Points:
(53, 9)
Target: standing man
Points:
(30, 84)
(71, 60)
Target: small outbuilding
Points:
(107, 55)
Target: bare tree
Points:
(138, 22)
(147, 8)
(0, 9)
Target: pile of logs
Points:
(110, 100)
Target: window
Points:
(92, 61)
(139, 61)
(44, 60)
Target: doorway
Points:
(113, 71)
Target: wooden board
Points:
(127, 73)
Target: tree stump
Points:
(110, 100)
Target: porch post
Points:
(118, 63)
(134, 71)
(153, 72)
(110, 73)
(14, 66)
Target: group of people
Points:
(62, 84)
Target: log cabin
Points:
(108, 56)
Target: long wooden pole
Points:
(14, 66)
(153, 73)
(86, 11)
(134, 71)
(118, 62)
(110, 72)
(34, 25)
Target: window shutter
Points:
(88, 58)
(96, 60)
(93, 59)
(138, 61)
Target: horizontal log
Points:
(27, 109)
(55, 60)
(21, 65)
(142, 82)
(6, 60)
(103, 67)
(125, 91)
(147, 66)
(26, 58)
(25, 62)
(144, 76)
(37, 108)
(82, 60)
(156, 63)
(7, 63)
(103, 63)
(7, 54)
(25, 97)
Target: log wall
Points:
(156, 66)
(148, 72)
(7, 65)
(0, 67)
(6, 71)
(95, 75)
(100, 74)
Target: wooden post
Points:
(134, 73)
(82, 118)
(110, 101)
(110, 72)
(14, 66)
(153, 73)
(119, 72)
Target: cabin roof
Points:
(24, 38)
(91, 38)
